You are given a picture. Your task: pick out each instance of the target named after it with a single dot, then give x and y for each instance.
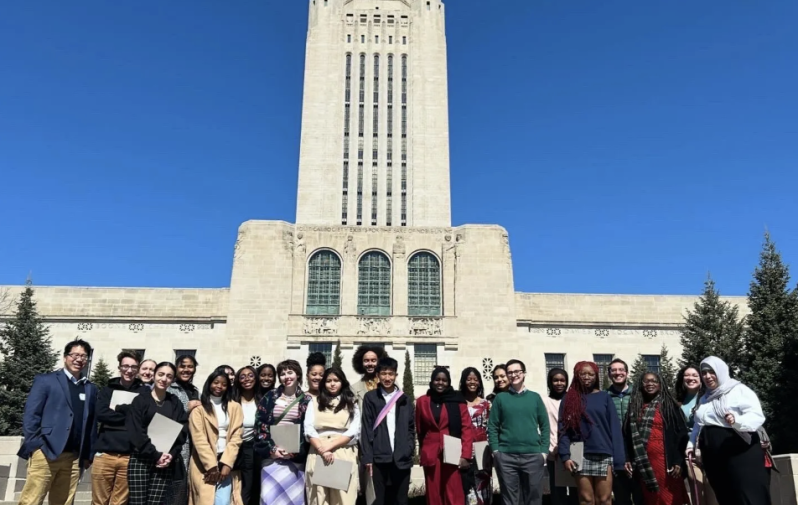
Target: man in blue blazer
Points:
(59, 429)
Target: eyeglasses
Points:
(513, 373)
(247, 376)
(651, 381)
(78, 357)
(129, 367)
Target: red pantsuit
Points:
(443, 485)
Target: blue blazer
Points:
(47, 421)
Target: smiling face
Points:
(266, 379)
(219, 386)
(472, 383)
(588, 378)
(651, 385)
(500, 380)
(710, 378)
(559, 383)
(618, 374)
(163, 378)
(516, 375)
(186, 370)
(288, 378)
(370, 360)
(247, 379)
(691, 380)
(76, 360)
(128, 369)
(440, 383)
(147, 371)
(315, 374)
(333, 384)
(387, 379)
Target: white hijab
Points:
(717, 396)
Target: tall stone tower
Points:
(375, 129)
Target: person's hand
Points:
(163, 460)
(628, 467)
(192, 404)
(370, 469)
(280, 454)
(675, 472)
(765, 445)
(328, 457)
(464, 464)
(324, 447)
(571, 466)
(224, 471)
(689, 453)
(212, 476)
(730, 418)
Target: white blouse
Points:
(353, 431)
(743, 405)
(250, 410)
(223, 421)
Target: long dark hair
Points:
(500, 366)
(550, 383)
(681, 391)
(668, 408)
(464, 378)
(274, 374)
(206, 391)
(347, 398)
(574, 404)
(238, 389)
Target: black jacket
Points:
(112, 436)
(138, 419)
(376, 445)
(676, 438)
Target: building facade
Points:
(373, 256)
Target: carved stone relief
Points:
(320, 326)
(425, 326)
(373, 326)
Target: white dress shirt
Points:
(743, 405)
(390, 418)
(353, 431)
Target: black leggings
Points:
(250, 464)
(735, 470)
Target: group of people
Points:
(629, 443)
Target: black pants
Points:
(561, 495)
(735, 469)
(391, 485)
(250, 464)
(626, 490)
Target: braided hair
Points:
(575, 401)
(668, 408)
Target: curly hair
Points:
(681, 392)
(357, 359)
(575, 401)
(669, 409)
(315, 358)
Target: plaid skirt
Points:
(595, 465)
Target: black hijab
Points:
(449, 398)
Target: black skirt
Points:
(736, 470)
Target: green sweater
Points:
(519, 424)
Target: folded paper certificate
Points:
(122, 398)
(335, 475)
(482, 455)
(562, 477)
(163, 432)
(452, 450)
(371, 495)
(286, 437)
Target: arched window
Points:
(424, 285)
(324, 284)
(374, 285)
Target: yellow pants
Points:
(109, 479)
(59, 477)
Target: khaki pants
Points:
(109, 479)
(58, 477)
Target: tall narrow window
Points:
(425, 358)
(185, 352)
(359, 193)
(324, 284)
(347, 119)
(325, 348)
(554, 361)
(652, 362)
(603, 362)
(374, 186)
(374, 285)
(424, 285)
(404, 142)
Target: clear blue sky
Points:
(627, 146)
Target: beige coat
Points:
(204, 436)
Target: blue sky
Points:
(627, 146)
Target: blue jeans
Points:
(224, 492)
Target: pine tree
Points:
(712, 328)
(667, 370)
(101, 374)
(407, 379)
(338, 360)
(639, 367)
(773, 320)
(27, 351)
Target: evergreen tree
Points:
(712, 328)
(101, 374)
(772, 327)
(407, 379)
(667, 370)
(338, 360)
(639, 367)
(26, 348)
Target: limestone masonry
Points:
(373, 256)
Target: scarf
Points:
(717, 397)
(641, 430)
(450, 399)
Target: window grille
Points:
(325, 348)
(183, 352)
(425, 358)
(652, 362)
(324, 284)
(603, 361)
(424, 285)
(554, 361)
(374, 285)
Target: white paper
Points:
(336, 475)
(452, 450)
(481, 454)
(562, 477)
(122, 398)
(163, 432)
(371, 495)
(286, 437)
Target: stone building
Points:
(373, 256)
